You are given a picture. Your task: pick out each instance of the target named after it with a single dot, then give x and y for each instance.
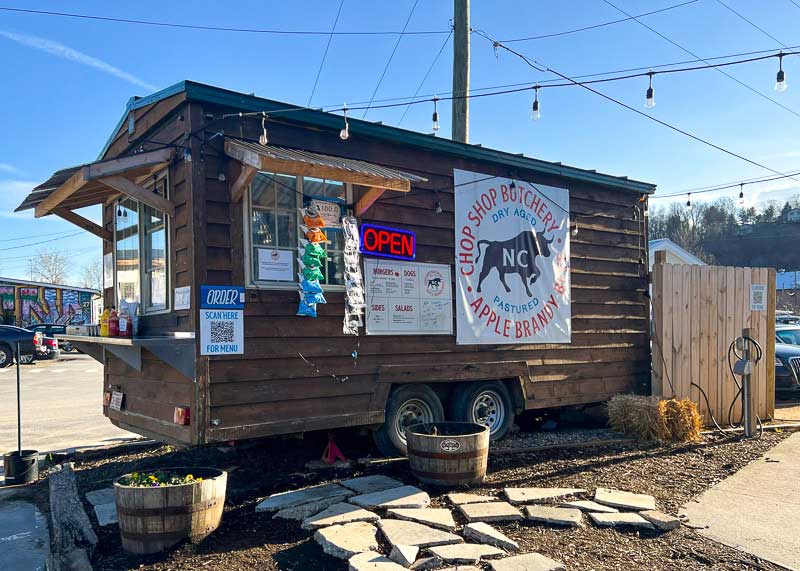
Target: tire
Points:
(484, 403)
(6, 356)
(26, 359)
(407, 405)
(67, 347)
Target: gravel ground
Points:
(569, 436)
(247, 540)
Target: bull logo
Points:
(514, 256)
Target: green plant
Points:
(157, 479)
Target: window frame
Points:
(144, 308)
(247, 213)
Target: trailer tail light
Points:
(106, 398)
(182, 415)
(37, 339)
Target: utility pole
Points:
(460, 131)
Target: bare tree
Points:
(50, 266)
(92, 275)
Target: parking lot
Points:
(61, 405)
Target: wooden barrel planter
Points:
(154, 519)
(448, 453)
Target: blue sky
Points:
(68, 80)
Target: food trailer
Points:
(294, 270)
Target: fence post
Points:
(656, 323)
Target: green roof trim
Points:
(216, 95)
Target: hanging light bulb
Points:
(263, 138)
(741, 194)
(221, 176)
(780, 79)
(650, 100)
(689, 202)
(513, 184)
(435, 114)
(344, 134)
(575, 229)
(535, 113)
(119, 211)
(438, 207)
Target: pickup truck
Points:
(28, 342)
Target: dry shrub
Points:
(651, 419)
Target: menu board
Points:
(408, 298)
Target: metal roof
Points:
(47, 187)
(298, 114)
(15, 281)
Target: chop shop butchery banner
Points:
(512, 261)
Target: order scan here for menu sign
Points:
(221, 320)
(406, 298)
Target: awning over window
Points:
(255, 157)
(99, 182)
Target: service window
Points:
(273, 215)
(141, 252)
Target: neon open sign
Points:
(388, 242)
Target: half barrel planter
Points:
(154, 519)
(448, 453)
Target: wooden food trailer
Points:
(436, 305)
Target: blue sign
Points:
(221, 297)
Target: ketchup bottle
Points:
(113, 323)
(125, 323)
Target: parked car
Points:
(29, 342)
(51, 350)
(55, 330)
(787, 367)
(788, 318)
(789, 334)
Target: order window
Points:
(274, 219)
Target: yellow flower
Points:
(189, 477)
(135, 475)
(198, 479)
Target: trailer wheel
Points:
(488, 404)
(407, 405)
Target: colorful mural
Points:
(30, 305)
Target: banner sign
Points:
(388, 242)
(512, 261)
(408, 298)
(221, 320)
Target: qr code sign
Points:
(222, 332)
(758, 297)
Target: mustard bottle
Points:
(104, 322)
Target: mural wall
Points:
(30, 305)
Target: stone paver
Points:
(97, 497)
(371, 484)
(466, 552)
(662, 521)
(527, 562)
(589, 506)
(106, 514)
(458, 498)
(626, 519)
(426, 563)
(371, 561)
(440, 518)
(485, 533)
(624, 500)
(405, 555)
(555, 516)
(531, 495)
(402, 497)
(490, 511)
(461, 568)
(284, 500)
(301, 512)
(338, 514)
(400, 532)
(344, 541)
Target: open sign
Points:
(388, 242)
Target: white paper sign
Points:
(276, 265)
(408, 298)
(512, 261)
(183, 297)
(108, 270)
(758, 297)
(331, 212)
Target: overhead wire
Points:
(40, 242)
(425, 77)
(726, 186)
(325, 54)
(753, 24)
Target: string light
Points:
(263, 138)
(438, 207)
(435, 114)
(575, 229)
(536, 114)
(741, 194)
(344, 134)
(650, 100)
(689, 202)
(780, 79)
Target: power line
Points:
(753, 24)
(41, 242)
(541, 67)
(795, 3)
(425, 77)
(325, 54)
(389, 61)
(221, 28)
(40, 235)
(595, 26)
(725, 186)
(691, 53)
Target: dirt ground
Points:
(248, 540)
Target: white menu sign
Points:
(408, 298)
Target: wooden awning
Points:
(98, 183)
(255, 157)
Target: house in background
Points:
(675, 254)
(793, 215)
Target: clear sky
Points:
(67, 81)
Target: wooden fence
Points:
(697, 312)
